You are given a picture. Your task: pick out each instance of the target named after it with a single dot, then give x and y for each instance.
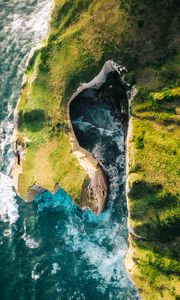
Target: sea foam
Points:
(8, 204)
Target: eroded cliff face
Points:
(107, 90)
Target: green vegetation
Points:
(155, 185)
(43, 130)
(144, 36)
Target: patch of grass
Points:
(45, 157)
(156, 273)
(67, 171)
(67, 12)
(33, 120)
(167, 94)
(33, 60)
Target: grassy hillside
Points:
(154, 189)
(142, 35)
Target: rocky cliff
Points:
(143, 36)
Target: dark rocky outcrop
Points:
(113, 95)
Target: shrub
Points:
(33, 120)
(166, 94)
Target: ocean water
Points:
(49, 249)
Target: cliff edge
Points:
(143, 36)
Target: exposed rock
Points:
(95, 187)
(33, 191)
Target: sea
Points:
(49, 249)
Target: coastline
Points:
(98, 183)
(86, 160)
(128, 258)
(146, 126)
(140, 248)
(17, 169)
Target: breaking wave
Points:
(8, 205)
(24, 25)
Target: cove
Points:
(49, 249)
(56, 250)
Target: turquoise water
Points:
(53, 251)
(49, 249)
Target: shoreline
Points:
(86, 160)
(157, 128)
(97, 180)
(128, 257)
(17, 169)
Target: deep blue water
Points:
(49, 249)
